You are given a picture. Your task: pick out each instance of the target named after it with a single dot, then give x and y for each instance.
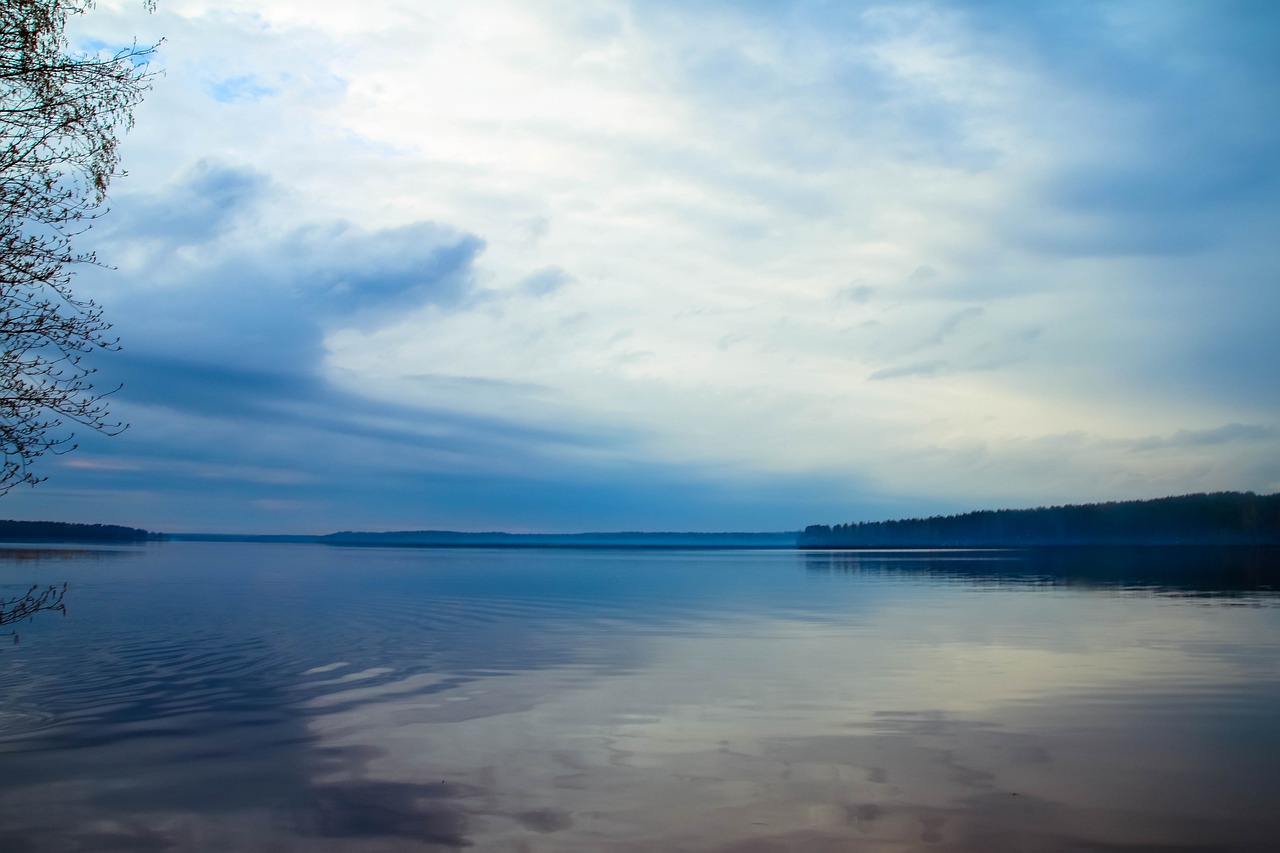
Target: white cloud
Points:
(895, 242)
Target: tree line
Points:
(1220, 518)
(59, 531)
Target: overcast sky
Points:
(561, 265)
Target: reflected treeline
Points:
(1187, 570)
(20, 554)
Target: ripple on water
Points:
(17, 723)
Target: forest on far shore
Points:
(61, 531)
(1221, 518)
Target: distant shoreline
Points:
(458, 539)
(62, 531)
(1221, 519)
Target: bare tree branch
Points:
(35, 601)
(61, 117)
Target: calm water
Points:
(247, 697)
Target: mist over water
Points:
(203, 696)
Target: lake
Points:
(266, 697)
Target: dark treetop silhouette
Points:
(1222, 518)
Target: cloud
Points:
(859, 294)
(920, 368)
(544, 281)
(659, 244)
(350, 272)
(1226, 434)
(1174, 128)
(952, 322)
(205, 200)
(246, 87)
(210, 281)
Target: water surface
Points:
(205, 696)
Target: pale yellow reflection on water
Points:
(381, 700)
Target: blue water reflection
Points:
(267, 697)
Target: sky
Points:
(570, 265)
